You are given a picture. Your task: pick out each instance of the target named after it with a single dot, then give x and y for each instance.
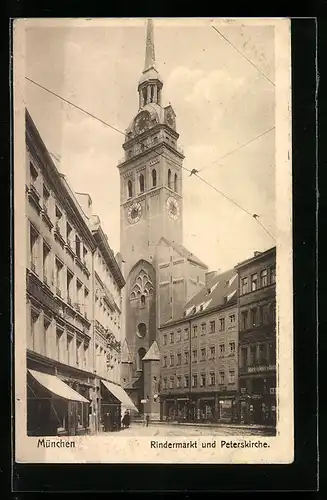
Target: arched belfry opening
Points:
(175, 183)
(169, 178)
(130, 189)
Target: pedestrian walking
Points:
(147, 420)
(126, 419)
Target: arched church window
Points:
(141, 330)
(130, 189)
(152, 93)
(141, 183)
(144, 96)
(140, 355)
(175, 183)
(154, 177)
(169, 179)
(142, 300)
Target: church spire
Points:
(150, 56)
(150, 83)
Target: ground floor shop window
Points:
(226, 410)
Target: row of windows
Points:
(211, 328)
(41, 263)
(51, 340)
(211, 353)
(260, 280)
(141, 183)
(65, 348)
(68, 234)
(257, 316)
(258, 354)
(182, 381)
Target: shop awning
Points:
(120, 394)
(57, 386)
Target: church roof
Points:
(153, 353)
(181, 250)
(125, 353)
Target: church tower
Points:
(151, 214)
(151, 170)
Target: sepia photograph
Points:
(153, 240)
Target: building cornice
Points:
(103, 245)
(256, 258)
(54, 178)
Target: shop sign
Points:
(264, 368)
(256, 396)
(227, 403)
(144, 401)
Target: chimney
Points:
(85, 201)
(210, 275)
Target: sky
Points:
(221, 101)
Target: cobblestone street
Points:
(138, 429)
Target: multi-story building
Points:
(198, 353)
(257, 337)
(64, 324)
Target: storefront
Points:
(53, 407)
(114, 402)
(226, 410)
(206, 409)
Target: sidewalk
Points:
(201, 424)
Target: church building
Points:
(161, 274)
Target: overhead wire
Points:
(237, 148)
(138, 141)
(243, 55)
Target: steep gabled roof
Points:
(125, 353)
(220, 291)
(153, 353)
(183, 252)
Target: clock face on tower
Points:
(173, 208)
(134, 213)
(142, 122)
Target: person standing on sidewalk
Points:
(147, 420)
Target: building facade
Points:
(66, 330)
(161, 274)
(257, 338)
(199, 356)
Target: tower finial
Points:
(150, 57)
